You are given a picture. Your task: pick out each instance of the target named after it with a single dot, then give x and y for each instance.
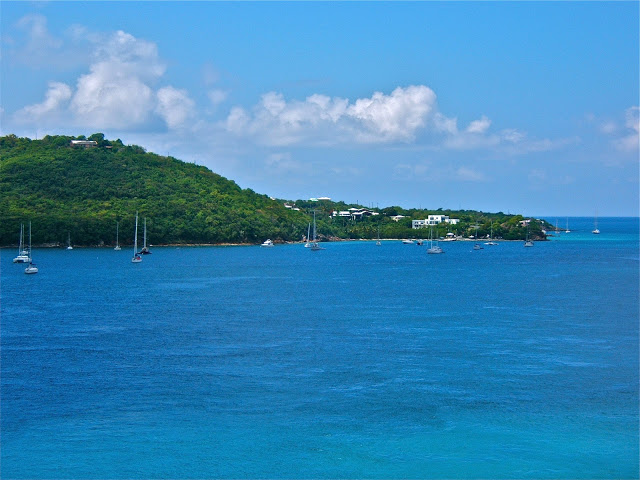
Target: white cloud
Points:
(629, 142)
(325, 120)
(216, 97)
(111, 98)
(174, 106)
(56, 98)
(479, 126)
(393, 117)
(117, 92)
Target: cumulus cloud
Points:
(108, 97)
(174, 106)
(479, 126)
(629, 142)
(118, 91)
(322, 119)
(56, 97)
(393, 117)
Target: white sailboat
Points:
(567, 229)
(136, 256)
(308, 243)
(433, 248)
(31, 268)
(491, 242)
(378, 243)
(528, 242)
(23, 254)
(314, 242)
(145, 249)
(69, 247)
(117, 247)
(595, 221)
(477, 246)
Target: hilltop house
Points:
(354, 213)
(84, 143)
(434, 220)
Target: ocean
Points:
(357, 361)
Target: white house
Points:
(434, 220)
(84, 143)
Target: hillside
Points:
(83, 192)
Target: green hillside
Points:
(83, 192)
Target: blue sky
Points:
(521, 107)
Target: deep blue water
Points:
(353, 362)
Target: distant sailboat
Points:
(491, 242)
(314, 242)
(433, 248)
(308, 243)
(145, 249)
(23, 254)
(567, 229)
(117, 247)
(378, 243)
(31, 268)
(136, 256)
(476, 245)
(528, 242)
(69, 247)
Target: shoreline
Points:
(227, 244)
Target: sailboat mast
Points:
(135, 238)
(21, 247)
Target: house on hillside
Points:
(84, 143)
(434, 220)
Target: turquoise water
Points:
(352, 362)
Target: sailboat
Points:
(145, 249)
(433, 248)
(595, 230)
(308, 243)
(136, 256)
(567, 230)
(528, 242)
(477, 246)
(314, 241)
(23, 255)
(69, 247)
(378, 243)
(31, 268)
(117, 247)
(491, 242)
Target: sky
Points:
(519, 107)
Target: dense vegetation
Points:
(80, 192)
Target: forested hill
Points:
(67, 190)
(82, 192)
